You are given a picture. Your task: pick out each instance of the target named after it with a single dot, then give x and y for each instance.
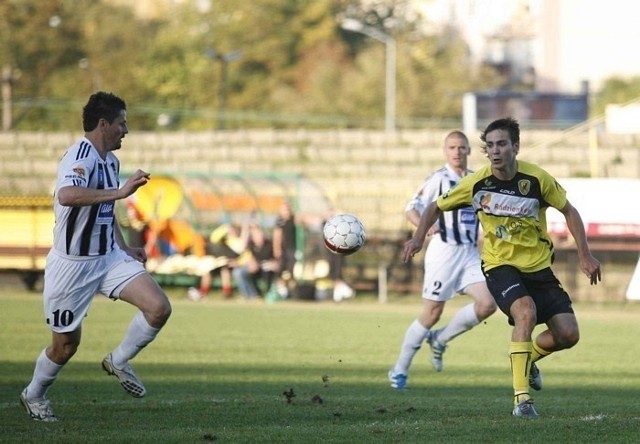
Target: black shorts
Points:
(507, 284)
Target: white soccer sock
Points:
(44, 374)
(412, 342)
(465, 319)
(139, 334)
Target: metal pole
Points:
(7, 102)
(593, 152)
(390, 67)
(390, 85)
(222, 93)
(382, 283)
(224, 60)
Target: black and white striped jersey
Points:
(88, 230)
(455, 227)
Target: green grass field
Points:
(316, 372)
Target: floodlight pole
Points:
(7, 101)
(353, 25)
(224, 60)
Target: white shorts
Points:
(71, 282)
(449, 269)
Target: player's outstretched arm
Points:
(589, 265)
(413, 216)
(428, 218)
(77, 196)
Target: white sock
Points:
(465, 319)
(44, 375)
(139, 334)
(413, 339)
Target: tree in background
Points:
(297, 66)
(616, 90)
(35, 47)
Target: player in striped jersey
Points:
(89, 256)
(510, 198)
(451, 265)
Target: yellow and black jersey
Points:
(512, 214)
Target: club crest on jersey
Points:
(524, 186)
(484, 202)
(79, 171)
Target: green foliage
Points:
(35, 43)
(296, 63)
(616, 90)
(229, 372)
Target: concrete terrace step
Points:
(369, 173)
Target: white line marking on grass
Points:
(599, 417)
(169, 402)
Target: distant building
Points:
(551, 45)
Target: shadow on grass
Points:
(295, 404)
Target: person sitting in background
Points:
(173, 236)
(174, 247)
(226, 241)
(135, 223)
(256, 274)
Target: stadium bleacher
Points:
(368, 173)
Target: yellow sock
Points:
(538, 352)
(520, 355)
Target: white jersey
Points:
(455, 227)
(87, 230)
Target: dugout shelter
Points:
(205, 202)
(197, 202)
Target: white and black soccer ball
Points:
(343, 234)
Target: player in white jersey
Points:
(89, 256)
(451, 265)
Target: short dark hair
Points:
(101, 105)
(507, 124)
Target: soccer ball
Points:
(343, 234)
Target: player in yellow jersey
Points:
(510, 198)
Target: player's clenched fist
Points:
(137, 179)
(141, 177)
